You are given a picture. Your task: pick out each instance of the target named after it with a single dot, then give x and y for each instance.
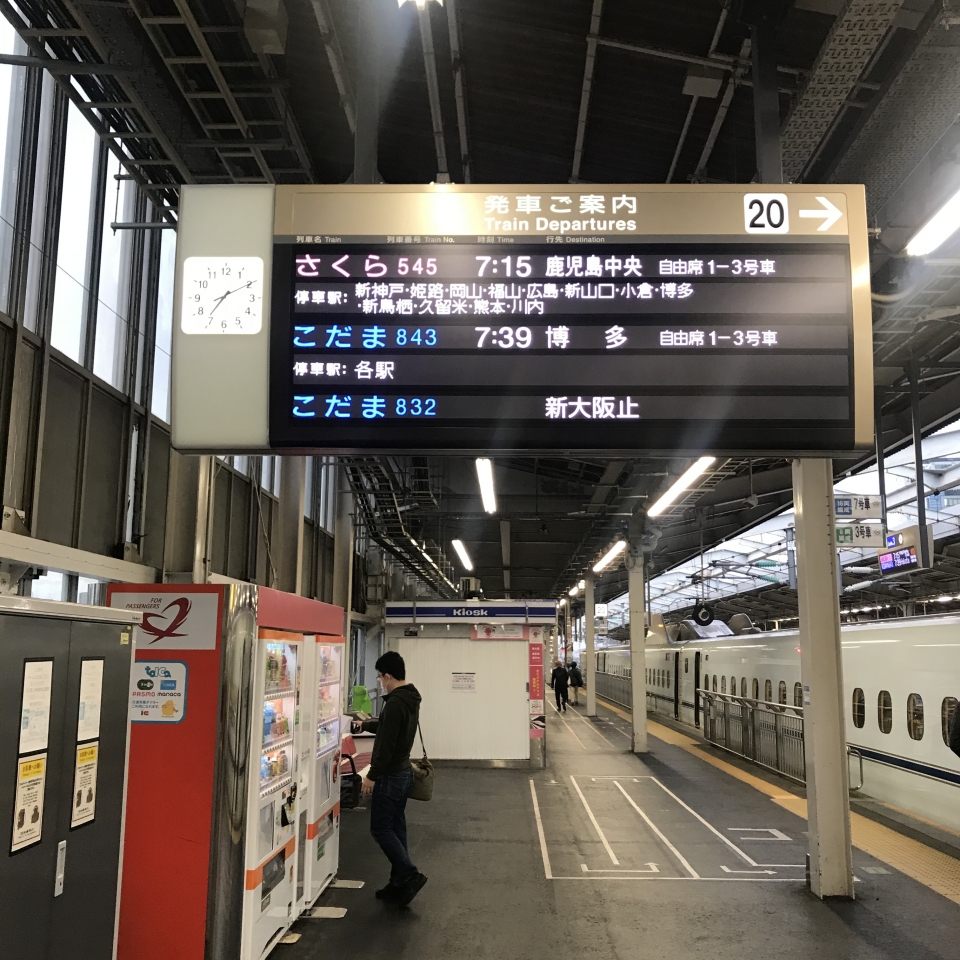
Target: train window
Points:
(885, 711)
(686, 664)
(733, 686)
(915, 716)
(756, 689)
(743, 687)
(948, 710)
(782, 691)
(723, 684)
(798, 694)
(648, 675)
(668, 678)
(714, 683)
(768, 691)
(859, 708)
(706, 681)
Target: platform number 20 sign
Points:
(766, 213)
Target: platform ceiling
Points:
(550, 91)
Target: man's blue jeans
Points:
(388, 823)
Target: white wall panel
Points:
(490, 723)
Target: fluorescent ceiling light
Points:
(684, 483)
(485, 476)
(573, 591)
(463, 555)
(581, 584)
(937, 230)
(563, 601)
(420, 3)
(609, 556)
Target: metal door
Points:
(676, 686)
(27, 876)
(83, 918)
(696, 688)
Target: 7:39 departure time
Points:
(505, 337)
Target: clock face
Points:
(222, 295)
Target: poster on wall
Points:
(28, 804)
(463, 682)
(84, 805)
(35, 705)
(158, 691)
(538, 720)
(91, 695)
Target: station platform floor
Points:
(602, 856)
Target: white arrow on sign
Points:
(830, 214)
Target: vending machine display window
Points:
(328, 699)
(279, 713)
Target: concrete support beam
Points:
(589, 656)
(201, 541)
(290, 553)
(638, 643)
(366, 136)
(828, 803)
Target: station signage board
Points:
(857, 507)
(860, 535)
(538, 317)
(901, 560)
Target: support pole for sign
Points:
(367, 135)
(589, 656)
(638, 640)
(828, 802)
(881, 456)
(913, 372)
(290, 553)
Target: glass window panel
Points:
(915, 716)
(308, 489)
(73, 248)
(87, 590)
(11, 117)
(859, 708)
(48, 587)
(38, 215)
(113, 292)
(948, 709)
(885, 711)
(160, 404)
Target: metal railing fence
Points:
(614, 688)
(769, 734)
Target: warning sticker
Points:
(84, 805)
(28, 806)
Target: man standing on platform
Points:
(576, 681)
(390, 777)
(559, 680)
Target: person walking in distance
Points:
(576, 681)
(559, 681)
(390, 777)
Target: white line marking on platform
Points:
(774, 833)
(651, 868)
(593, 820)
(728, 870)
(567, 725)
(328, 913)
(709, 826)
(693, 873)
(658, 879)
(547, 872)
(593, 728)
(348, 884)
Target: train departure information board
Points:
(562, 318)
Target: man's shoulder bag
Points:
(422, 788)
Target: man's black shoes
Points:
(409, 890)
(389, 892)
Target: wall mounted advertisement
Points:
(35, 705)
(84, 807)
(158, 691)
(28, 802)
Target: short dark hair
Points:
(391, 662)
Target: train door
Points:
(696, 688)
(676, 686)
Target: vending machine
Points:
(235, 703)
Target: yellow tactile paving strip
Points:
(933, 869)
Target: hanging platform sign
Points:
(509, 319)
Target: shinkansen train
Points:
(901, 684)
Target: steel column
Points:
(913, 372)
(766, 102)
(290, 554)
(638, 643)
(828, 804)
(881, 455)
(366, 136)
(590, 658)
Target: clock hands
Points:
(220, 300)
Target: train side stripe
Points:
(912, 766)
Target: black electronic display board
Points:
(588, 345)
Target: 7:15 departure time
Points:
(505, 337)
(504, 266)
